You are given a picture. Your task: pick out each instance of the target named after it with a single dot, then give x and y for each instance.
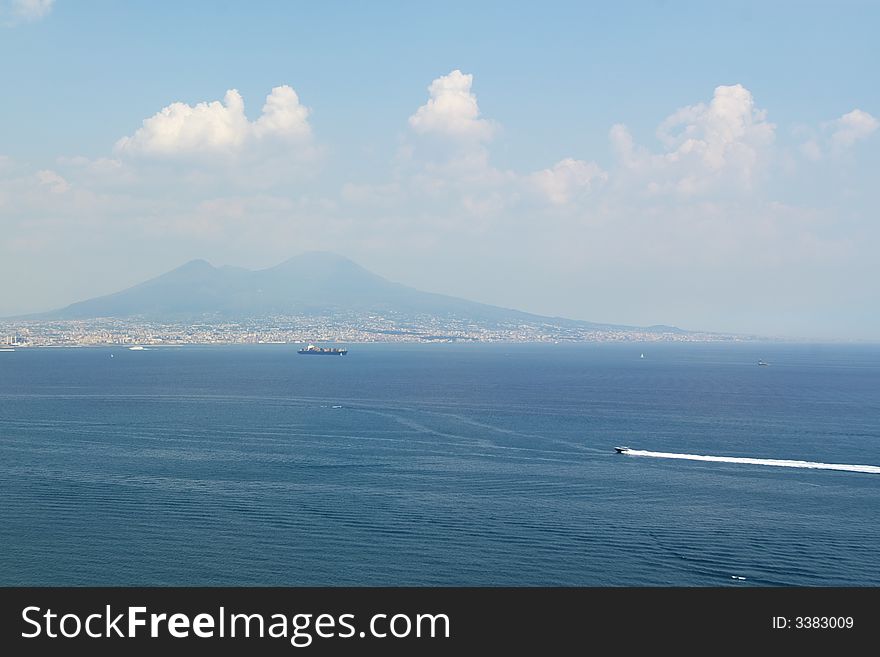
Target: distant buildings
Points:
(351, 328)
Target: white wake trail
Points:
(779, 463)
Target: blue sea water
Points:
(438, 465)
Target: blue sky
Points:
(710, 165)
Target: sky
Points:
(712, 166)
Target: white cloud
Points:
(852, 127)
(32, 9)
(449, 167)
(566, 179)
(219, 127)
(622, 144)
(837, 136)
(725, 131)
(14, 12)
(452, 110)
(455, 171)
(707, 146)
(55, 182)
(283, 116)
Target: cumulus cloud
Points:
(283, 116)
(836, 136)
(449, 166)
(13, 12)
(567, 178)
(706, 145)
(622, 144)
(101, 173)
(219, 127)
(53, 181)
(455, 171)
(852, 127)
(727, 130)
(452, 110)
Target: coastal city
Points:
(356, 328)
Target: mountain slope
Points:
(314, 283)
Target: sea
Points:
(442, 464)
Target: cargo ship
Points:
(312, 350)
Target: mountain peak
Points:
(196, 264)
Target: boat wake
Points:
(780, 463)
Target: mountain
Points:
(314, 283)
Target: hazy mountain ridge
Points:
(314, 283)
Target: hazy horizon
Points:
(707, 167)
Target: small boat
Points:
(621, 450)
(136, 348)
(763, 363)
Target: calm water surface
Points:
(438, 464)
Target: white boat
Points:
(136, 348)
(621, 450)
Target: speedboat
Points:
(621, 450)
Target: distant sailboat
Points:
(642, 356)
